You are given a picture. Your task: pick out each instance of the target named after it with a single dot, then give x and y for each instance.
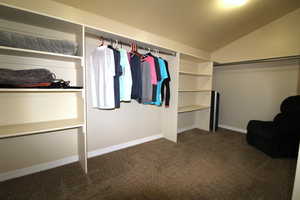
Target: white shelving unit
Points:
(193, 73)
(195, 86)
(18, 51)
(191, 108)
(42, 110)
(16, 130)
(39, 90)
(193, 90)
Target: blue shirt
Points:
(164, 75)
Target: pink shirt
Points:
(151, 62)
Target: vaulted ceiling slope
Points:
(203, 24)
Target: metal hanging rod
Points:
(139, 45)
(275, 59)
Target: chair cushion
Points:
(288, 122)
(291, 104)
(262, 129)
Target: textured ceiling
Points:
(203, 24)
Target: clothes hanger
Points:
(132, 47)
(149, 52)
(158, 53)
(117, 44)
(136, 51)
(101, 39)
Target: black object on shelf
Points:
(214, 111)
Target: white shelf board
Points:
(193, 73)
(192, 108)
(29, 51)
(194, 90)
(39, 127)
(38, 90)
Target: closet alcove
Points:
(133, 120)
(61, 122)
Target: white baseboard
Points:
(117, 147)
(180, 130)
(233, 128)
(37, 168)
(49, 165)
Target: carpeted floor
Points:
(202, 166)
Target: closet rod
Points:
(139, 47)
(296, 57)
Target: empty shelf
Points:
(35, 52)
(192, 108)
(193, 73)
(39, 90)
(39, 127)
(194, 90)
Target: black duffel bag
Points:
(28, 76)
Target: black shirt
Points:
(118, 73)
(136, 74)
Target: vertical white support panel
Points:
(169, 119)
(203, 116)
(82, 134)
(202, 119)
(296, 191)
(299, 79)
(196, 75)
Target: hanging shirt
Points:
(151, 62)
(158, 76)
(102, 72)
(164, 75)
(135, 64)
(146, 83)
(125, 78)
(118, 73)
(157, 68)
(166, 84)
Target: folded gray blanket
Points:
(17, 40)
(30, 76)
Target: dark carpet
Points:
(202, 166)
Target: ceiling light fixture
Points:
(232, 3)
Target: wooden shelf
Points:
(194, 90)
(39, 127)
(38, 90)
(193, 73)
(192, 108)
(35, 52)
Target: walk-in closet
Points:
(171, 99)
(58, 112)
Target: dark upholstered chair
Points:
(278, 138)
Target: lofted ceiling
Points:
(203, 24)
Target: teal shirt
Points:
(164, 75)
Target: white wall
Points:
(60, 10)
(254, 91)
(276, 39)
